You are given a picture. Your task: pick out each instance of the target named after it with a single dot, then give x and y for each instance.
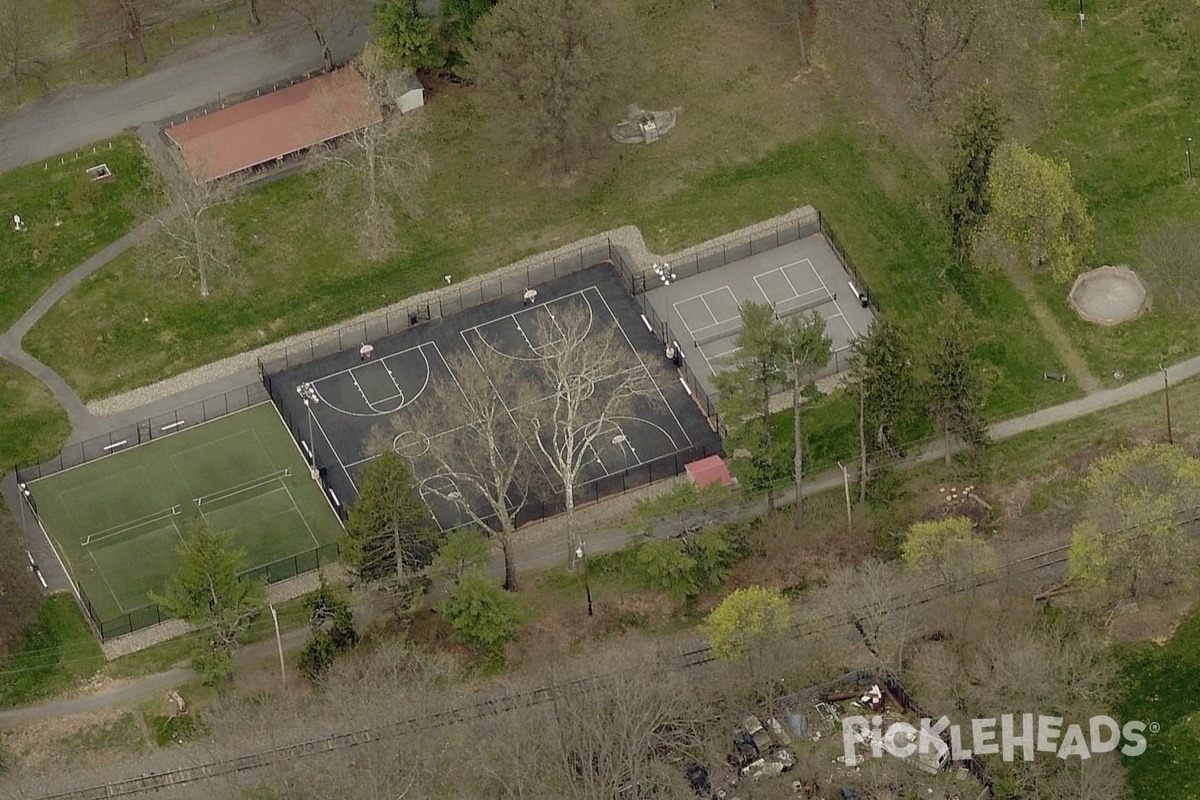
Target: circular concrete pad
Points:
(1108, 295)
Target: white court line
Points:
(685, 300)
(104, 578)
(835, 302)
(377, 413)
(638, 356)
(356, 366)
(303, 519)
(336, 454)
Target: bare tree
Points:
(929, 36)
(378, 164)
(482, 450)
(196, 241)
(17, 42)
(582, 368)
(323, 18)
(252, 9)
(875, 598)
(1171, 260)
(126, 17)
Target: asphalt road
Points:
(59, 125)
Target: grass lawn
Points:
(118, 521)
(66, 217)
(1123, 103)
(34, 424)
(58, 651)
(1159, 689)
(76, 46)
(299, 268)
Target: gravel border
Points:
(628, 239)
(165, 631)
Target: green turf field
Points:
(118, 521)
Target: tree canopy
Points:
(1132, 540)
(207, 593)
(953, 385)
(1036, 218)
(974, 140)
(547, 71)
(389, 529)
(747, 620)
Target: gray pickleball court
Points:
(703, 312)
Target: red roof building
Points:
(275, 125)
(709, 470)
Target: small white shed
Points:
(405, 91)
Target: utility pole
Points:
(279, 643)
(1081, 16)
(846, 485)
(581, 553)
(1167, 402)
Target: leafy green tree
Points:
(389, 530)
(547, 71)
(207, 593)
(405, 35)
(463, 550)
(974, 140)
(954, 385)
(746, 622)
(484, 616)
(666, 566)
(948, 549)
(755, 371)
(715, 552)
(882, 376)
(1133, 539)
(457, 27)
(806, 348)
(332, 630)
(1036, 219)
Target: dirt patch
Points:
(1149, 620)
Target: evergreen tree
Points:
(755, 371)
(974, 140)
(954, 386)
(882, 380)
(207, 593)
(807, 348)
(389, 528)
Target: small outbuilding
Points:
(405, 91)
(709, 470)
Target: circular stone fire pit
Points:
(1108, 295)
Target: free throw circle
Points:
(411, 444)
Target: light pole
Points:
(308, 409)
(1188, 150)
(279, 642)
(1167, 401)
(846, 485)
(581, 553)
(1081, 16)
